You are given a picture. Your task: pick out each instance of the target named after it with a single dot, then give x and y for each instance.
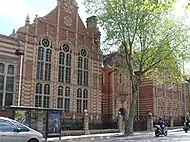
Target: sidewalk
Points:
(105, 135)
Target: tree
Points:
(150, 39)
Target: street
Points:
(179, 136)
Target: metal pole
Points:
(20, 79)
(185, 95)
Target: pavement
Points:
(173, 136)
(99, 137)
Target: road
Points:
(179, 136)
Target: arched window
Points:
(61, 58)
(44, 64)
(67, 99)
(46, 96)
(46, 89)
(80, 60)
(67, 92)
(83, 68)
(79, 93)
(40, 53)
(85, 99)
(38, 97)
(64, 64)
(82, 100)
(48, 55)
(68, 60)
(60, 99)
(86, 63)
(63, 100)
(60, 91)
(10, 70)
(42, 98)
(38, 88)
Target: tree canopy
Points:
(148, 34)
(148, 31)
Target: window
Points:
(44, 60)
(6, 126)
(68, 75)
(80, 76)
(63, 100)
(47, 71)
(1, 82)
(64, 64)
(2, 68)
(10, 70)
(85, 99)
(42, 98)
(82, 100)
(8, 99)
(21, 127)
(83, 68)
(60, 97)
(7, 83)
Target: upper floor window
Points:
(83, 68)
(10, 70)
(64, 75)
(44, 59)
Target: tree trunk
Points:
(129, 122)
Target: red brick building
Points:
(61, 64)
(159, 100)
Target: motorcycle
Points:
(186, 126)
(161, 130)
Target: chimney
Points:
(92, 27)
(92, 22)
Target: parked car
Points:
(13, 131)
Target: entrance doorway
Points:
(123, 113)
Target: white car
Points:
(12, 131)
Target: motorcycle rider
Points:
(161, 122)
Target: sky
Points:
(13, 13)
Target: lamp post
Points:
(21, 54)
(186, 82)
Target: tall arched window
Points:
(44, 59)
(85, 99)
(46, 96)
(83, 68)
(63, 100)
(65, 64)
(42, 98)
(82, 100)
(60, 97)
(80, 71)
(67, 99)
(38, 97)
